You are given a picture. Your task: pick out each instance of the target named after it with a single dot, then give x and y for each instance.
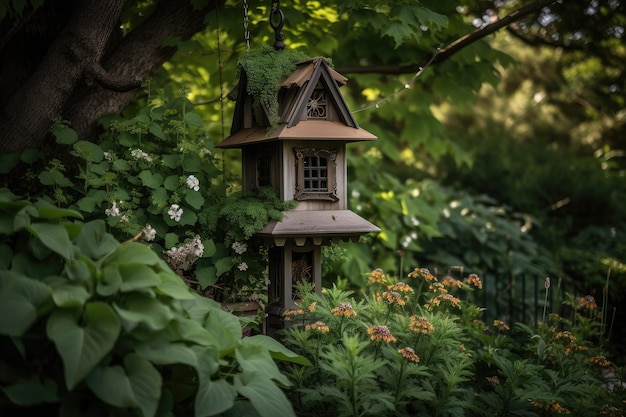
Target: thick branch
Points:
(455, 46)
(98, 74)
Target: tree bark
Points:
(80, 80)
(28, 114)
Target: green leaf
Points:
(29, 156)
(137, 385)
(55, 237)
(141, 309)
(65, 135)
(157, 131)
(70, 295)
(134, 253)
(206, 276)
(21, 298)
(31, 392)
(168, 354)
(276, 349)
(223, 265)
(171, 240)
(174, 287)
(264, 395)
(94, 241)
(194, 119)
(89, 151)
(255, 358)
(171, 182)
(83, 338)
(150, 179)
(137, 276)
(195, 199)
(47, 210)
(8, 162)
(215, 397)
(171, 161)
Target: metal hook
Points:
(279, 44)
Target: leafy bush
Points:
(154, 177)
(418, 346)
(89, 326)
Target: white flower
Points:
(139, 154)
(239, 247)
(113, 211)
(182, 257)
(108, 156)
(124, 219)
(148, 233)
(175, 212)
(193, 183)
(242, 266)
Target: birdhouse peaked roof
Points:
(298, 93)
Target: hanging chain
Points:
(279, 43)
(246, 22)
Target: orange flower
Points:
(343, 310)
(381, 333)
(422, 273)
(312, 306)
(474, 280)
(409, 354)
(420, 324)
(377, 276)
(318, 326)
(500, 325)
(400, 287)
(391, 297)
(600, 361)
(289, 314)
(449, 281)
(586, 303)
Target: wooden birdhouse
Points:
(303, 156)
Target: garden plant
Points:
(418, 346)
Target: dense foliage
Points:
(93, 327)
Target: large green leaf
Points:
(31, 392)
(111, 280)
(172, 286)
(276, 349)
(254, 358)
(20, 300)
(215, 397)
(137, 385)
(264, 395)
(195, 199)
(168, 353)
(134, 253)
(193, 332)
(70, 295)
(94, 241)
(141, 309)
(137, 276)
(55, 237)
(83, 338)
(47, 210)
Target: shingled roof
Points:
(295, 92)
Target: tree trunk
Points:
(80, 80)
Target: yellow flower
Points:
(318, 326)
(420, 324)
(565, 335)
(312, 306)
(381, 333)
(409, 354)
(500, 325)
(474, 280)
(343, 310)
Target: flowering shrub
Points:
(154, 177)
(417, 346)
